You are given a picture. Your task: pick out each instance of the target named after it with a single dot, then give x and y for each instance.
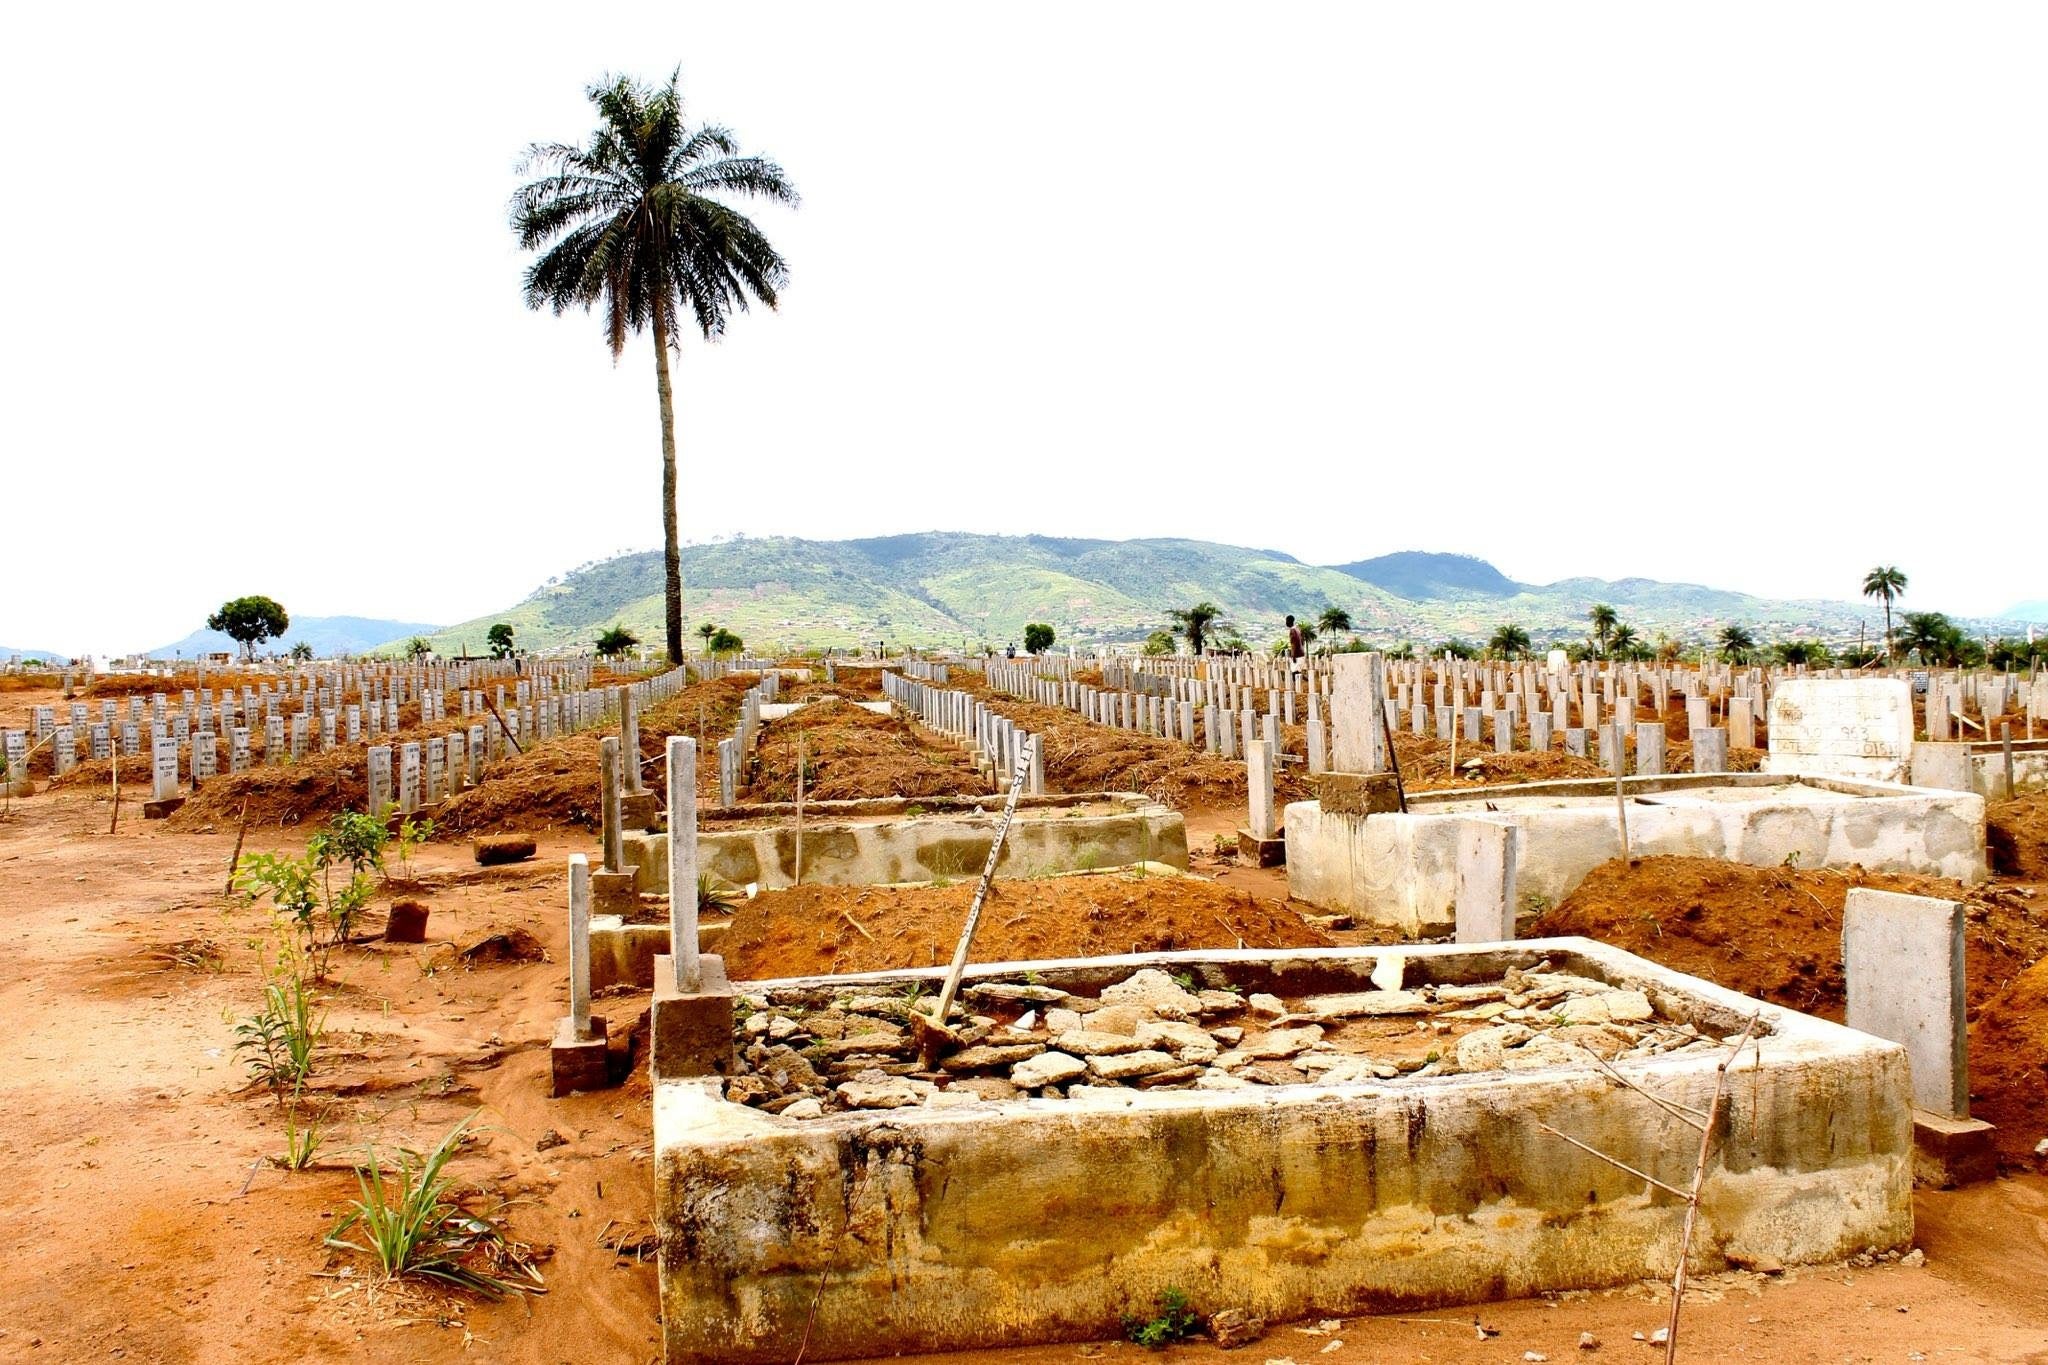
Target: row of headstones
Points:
(736, 749)
(1948, 702)
(433, 770)
(998, 744)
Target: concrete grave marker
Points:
(1858, 728)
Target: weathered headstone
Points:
(1857, 728)
(1487, 851)
(1902, 957)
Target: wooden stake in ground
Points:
(799, 881)
(114, 769)
(932, 1029)
(1706, 1124)
(1400, 789)
(503, 728)
(235, 858)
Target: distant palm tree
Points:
(1623, 642)
(1510, 641)
(1886, 584)
(634, 222)
(1603, 618)
(1737, 644)
(1333, 621)
(704, 633)
(1196, 622)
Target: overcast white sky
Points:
(1750, 295)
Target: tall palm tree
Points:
(1510, 641)
(1333, 621)
(636, 223)
(1737, 644)
(1603, 618)
(1196, 622)
(1886, 584)
(1623, 642)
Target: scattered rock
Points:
(1365, 1005)
(1062, 1021)
(886, 1092)
(1611, 1007)
(407, 923)
(1270, 1006)
(1130, 1065)
(885, 1043)
(496, 849)
(1088, 1041)
(1155, 992)
(1122, 1019)
(1189, 1042)
(1027, 1022)
(1047, 1068)
(1915, 1257)
(513, 945)
(1233, 1328)
(1212, 1079)
(1588, 1342)
(1220, 1002)
(550, 1140)
(989, 1058)
(1229, 1036)
(1282, 1042)
(1003, 992)
(1271, 1073)
(989, 1088)
(806, 1108)
(1171, 1079)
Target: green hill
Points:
(945, 588)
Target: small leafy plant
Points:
(411, 834)
(304, 890)
(302, 1136)
(413, 1226)
(1174, 1320)
(715, 897)
(278, 1041)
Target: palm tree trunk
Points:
(672, 548)
(1890, 653)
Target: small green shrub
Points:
(415, 1228)
(1173, 1321)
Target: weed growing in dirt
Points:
(278, 1042)
(301, 1138)
(715, 897)
(1173, 1321)
(414, 1227)
(411, 834)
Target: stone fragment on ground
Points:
(1155, 992)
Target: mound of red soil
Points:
(2009, 1064)
(1776, 932)
(810, 930)
(850, 753)
(2016, 837)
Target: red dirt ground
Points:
(810, 930)
(850, 753)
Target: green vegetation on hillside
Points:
(948, 589)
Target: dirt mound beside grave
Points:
(2009, 1064)
(1776, 932)
(2016, 837)
(809, 930)
(850, 753)
(556, 782)
(317, 786)
(854, 684)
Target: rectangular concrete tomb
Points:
(1400, 869)
(951, 1222)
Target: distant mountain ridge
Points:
(47, 655)
(328, 635)
(2034, 612)
(941, 588)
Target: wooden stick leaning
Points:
(931, 1029)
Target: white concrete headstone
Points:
(1856, 728)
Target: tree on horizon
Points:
(1197, 622)
(635, 222)
(1604, 620)
(1887, 584)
